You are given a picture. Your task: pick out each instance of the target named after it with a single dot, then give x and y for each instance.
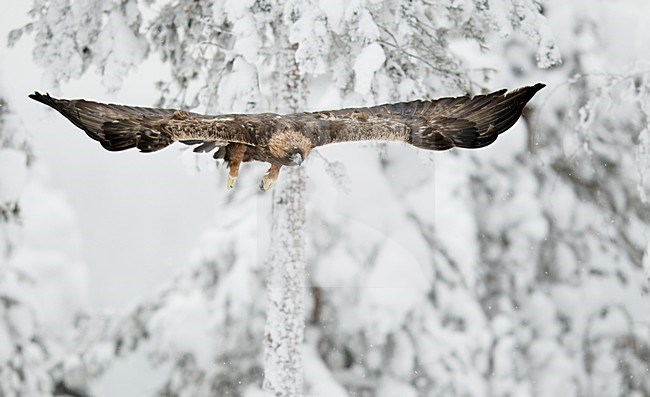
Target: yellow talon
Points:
(271, 177)
(267, 183)
(231, 181)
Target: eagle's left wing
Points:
(466, 122)
(121, 127)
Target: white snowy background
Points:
(521, 269)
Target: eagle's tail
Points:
(470, 122)
(116, 127)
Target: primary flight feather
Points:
(465, 122)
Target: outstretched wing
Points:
(120, 127)
(435, 125)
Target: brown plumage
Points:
(287, 139)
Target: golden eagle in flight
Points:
(288, 139)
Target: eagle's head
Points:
(296, 155)
(289, 147)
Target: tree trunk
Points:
(285, 322)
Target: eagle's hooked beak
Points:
(297, 158)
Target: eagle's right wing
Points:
(120, 127)
(466, 122)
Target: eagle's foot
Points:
(231, 181)
(268, 181)
(234, 155)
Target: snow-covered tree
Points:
(574, 321)
(514, 270)
(42, 280)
